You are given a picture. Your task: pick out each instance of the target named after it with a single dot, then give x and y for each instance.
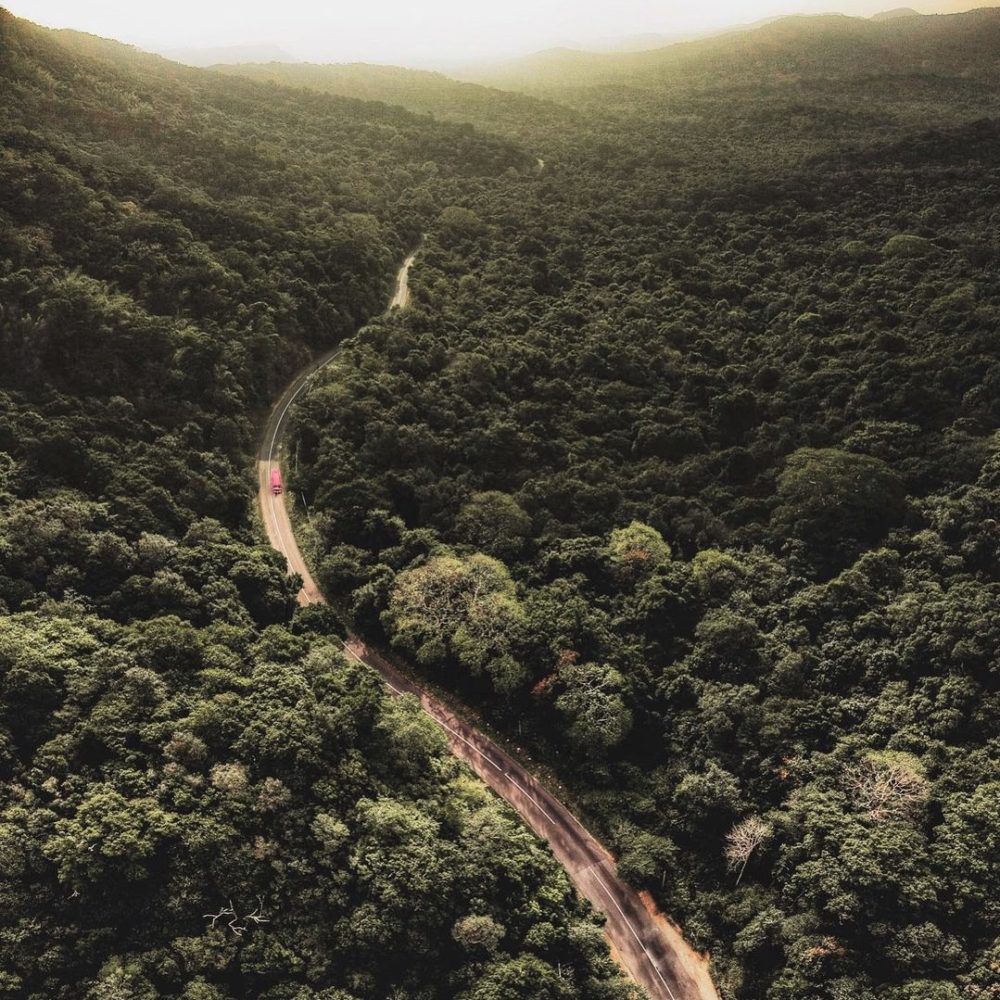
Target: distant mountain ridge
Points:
(228, 55)
(832, 45)
(891, 15)
(422, 91)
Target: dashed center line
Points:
(628, 924)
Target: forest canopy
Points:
(714, 397)
(683, 469)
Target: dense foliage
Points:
(218, 812)
(200, 798)
(684, 466)
(171, 246)
(420, 91)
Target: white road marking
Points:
(538, 804)
(628, 924)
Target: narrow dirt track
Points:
(650, 949)
(401, 293)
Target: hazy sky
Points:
(414, 31)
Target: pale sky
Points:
(417, 32)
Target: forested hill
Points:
(174, 243)
(831, 46)
(199, 798)
(791, 89)
(420, 91)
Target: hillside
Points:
(681, 471)
(200, 798)
(891, 15)
(795, 84)
(833, 46)
(422, 92)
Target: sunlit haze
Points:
(402, 31)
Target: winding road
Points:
(651, 950)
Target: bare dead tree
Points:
(743, 840)
(257, 916)
(885, 788)
(234, 922)
(225, 911)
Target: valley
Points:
(628, 422)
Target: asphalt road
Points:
(648, 946)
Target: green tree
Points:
(466, 606)
(110, 837)
(494, 523)
(478, 932)
(838, 503)
(637, 549)
(592, 702)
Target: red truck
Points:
(275, 481)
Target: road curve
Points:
(401, 293)
(651, 949)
